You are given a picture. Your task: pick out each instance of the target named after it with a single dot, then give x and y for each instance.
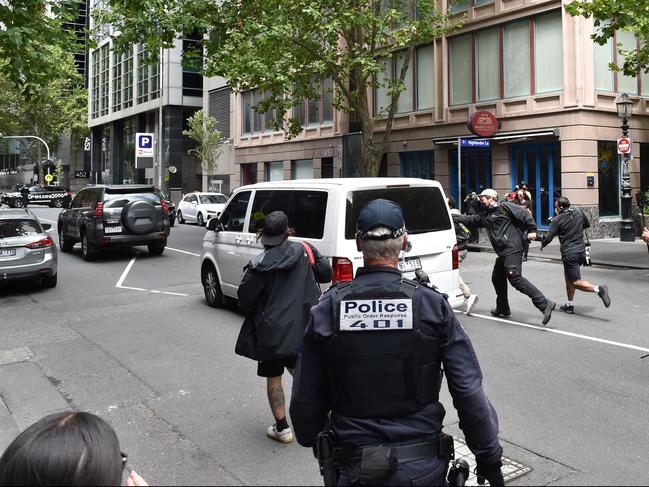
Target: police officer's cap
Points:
(380, 213)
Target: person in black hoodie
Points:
(278, 289)
(506, 223)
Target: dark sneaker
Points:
(568, 308)
(547, 312)
(603, 293)
(497, 312)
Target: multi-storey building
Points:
(528, 62)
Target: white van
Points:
(323, 212)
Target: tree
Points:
(48, 111)
(31, 31)
(202, 129)
(612, 15)
(286, 48)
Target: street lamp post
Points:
(624, 109)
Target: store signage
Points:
(81, 174)
(483, 123)
(475, 143)
(624, 145)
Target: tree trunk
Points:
(369, 164)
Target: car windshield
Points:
(18, 228)
(212, 199)
(422, 208)
(112, 200)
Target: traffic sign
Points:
(144, 145)
(49, 178)
(624, 145)
(475, 143)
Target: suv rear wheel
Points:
(87, 250)
(156, 248)
(211, 286)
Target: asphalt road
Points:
(161, 368)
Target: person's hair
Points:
(563, 202)
(289, 232)
(451, 202)
(381, 248)
(69, 448)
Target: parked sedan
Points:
(26, 250)
(200, 207)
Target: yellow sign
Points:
(49, 178)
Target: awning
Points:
(504, 137)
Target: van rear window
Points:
(424, 209)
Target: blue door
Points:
(417, 164)
(539, 166)
(476, 172)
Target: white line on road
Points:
(126, 271)
(561, 332)
(184, 252)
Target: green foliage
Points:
(286, 47)
(627, 15)
(202, 129)
(31, 32)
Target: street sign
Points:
(624, 145)
(49, 178)
(144, 145)
(475, 143)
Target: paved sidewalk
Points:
(605, 251)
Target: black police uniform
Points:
(381, 387)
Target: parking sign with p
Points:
(144, 145)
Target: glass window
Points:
(327, 101)
(517, 59)
(419, 218)
(381, 96)
(307, 213)
(455, 6)
(487, 62)
(608, 175)
(302, 169)
(128, 79)
(117, 81)
(460, 59)
(274, 171)
(19, 228)
(404, 105)
(425, 78)
(257, 118)
(603, 75)
(211, 199)
(234, 215)
(548, 46)
(267, 201)
(246, 103)
(627, 41)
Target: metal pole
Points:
(459, 173)
(626, 225)
(160, 119)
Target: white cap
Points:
(489, 192)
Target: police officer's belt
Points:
(402, 453)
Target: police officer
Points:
(370, 371)
(24, 194)
(569, 224)
(505, 223)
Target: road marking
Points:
(560, 332)
(152, 291)
(126, 271)
(183, 252)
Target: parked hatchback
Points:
(26, 250)
(109, 216)
(200, 207)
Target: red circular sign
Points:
(483, 123)
(623, 145)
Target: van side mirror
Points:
(213, 225)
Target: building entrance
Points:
(476, 172)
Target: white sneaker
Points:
(471, 301)
(284, 436)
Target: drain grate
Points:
(15, 355)
(510, 468)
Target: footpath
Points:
(606, 252)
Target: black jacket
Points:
(276, 293)
(311, 399)
(569, 225)
(506, 224)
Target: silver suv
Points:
(26, 250)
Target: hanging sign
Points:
(483, 123)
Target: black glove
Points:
(490, 472)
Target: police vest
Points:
(379, 362)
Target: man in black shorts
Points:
(569, 224)
(277, 291)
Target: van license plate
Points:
(112, 229)
(7, 252)
(409, 265)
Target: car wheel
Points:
(58, 204)
(87, 250)
(180, 217)
(199, 220)
(156, 248)
(49, 281)
(65, 244)
(211, 286)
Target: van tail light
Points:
(456, 258)
(165, 208)
(343, 270)
(40, 244)
(99, 209)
